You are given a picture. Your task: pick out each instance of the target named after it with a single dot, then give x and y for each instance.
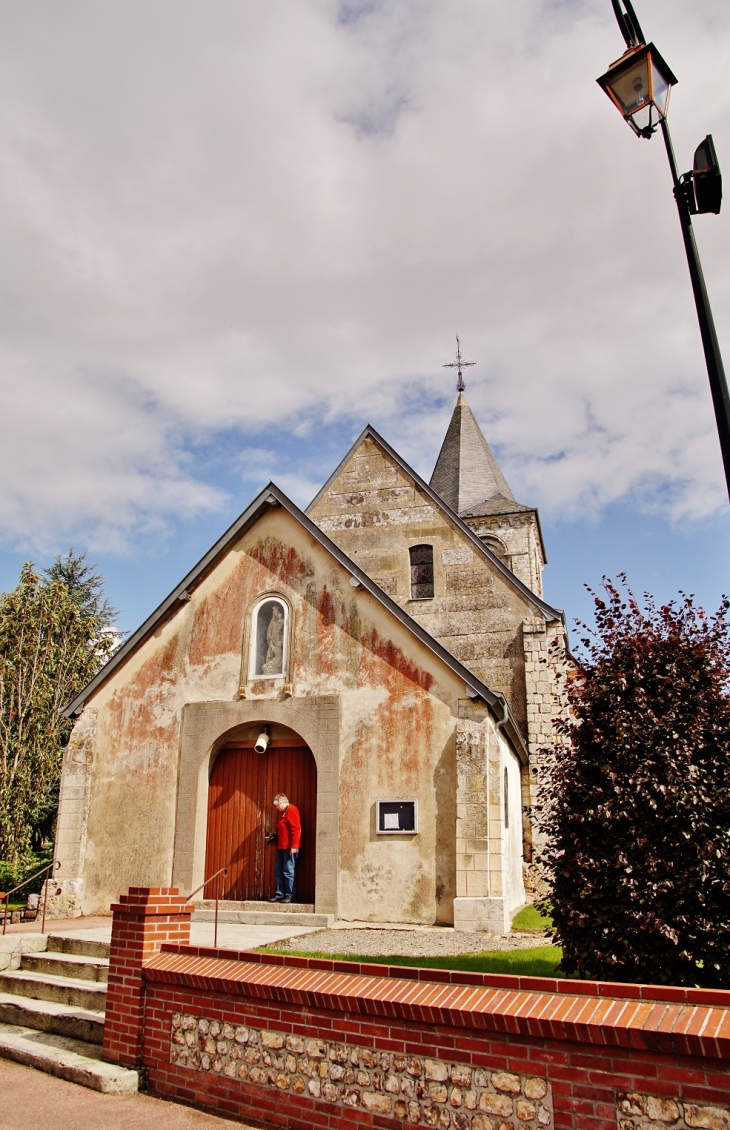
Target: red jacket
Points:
(289, 829)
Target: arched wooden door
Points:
(243, 784)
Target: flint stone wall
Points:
(412, 1089)
(655, 1112)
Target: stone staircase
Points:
(52, 1014)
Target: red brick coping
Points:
(687, 1022)
(616, 989)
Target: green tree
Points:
(637, 804)
(53, 639)
(86, 588)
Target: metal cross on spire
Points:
(459, 364)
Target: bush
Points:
(637, 804)
(11, 874)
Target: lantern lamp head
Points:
(639, 84)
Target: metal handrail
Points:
(54, 865)
(220, 871)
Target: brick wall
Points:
(294, 1042)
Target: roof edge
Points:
(474, 687)
(178, 594)
(546, 609)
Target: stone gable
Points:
(375, 512)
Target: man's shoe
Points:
(286, 899)
(275, 898)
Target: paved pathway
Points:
(388, 939)
(232, 936)
(32, 1100)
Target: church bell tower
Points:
(469, 480)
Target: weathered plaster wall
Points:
(398, 708)
(375, 512)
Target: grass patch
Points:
(541, 961)
(530, 918)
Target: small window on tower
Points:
(421, 572)
(497, 547)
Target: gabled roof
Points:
(466, 472)
(369, 432)
(271, 495)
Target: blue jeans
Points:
(285, 873)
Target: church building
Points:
(386, 659)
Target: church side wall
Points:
(375, 513)
(397, 715)
(544, 649)
(489, 882)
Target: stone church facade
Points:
(384, 658)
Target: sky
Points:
(234, 233)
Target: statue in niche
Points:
(274, 661)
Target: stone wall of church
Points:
(519, 535)
(375, 512)
(489, 848)
(545, 666)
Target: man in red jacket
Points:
(288, 838)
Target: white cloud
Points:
(242, 215)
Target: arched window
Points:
(269, 639)
(498, 549)
(421, 572)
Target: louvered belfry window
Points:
(421, 572)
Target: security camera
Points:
(262, 741)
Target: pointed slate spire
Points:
(466, 475)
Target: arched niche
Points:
(269, 633)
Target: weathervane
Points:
(459, 364)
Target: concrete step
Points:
(270, 917)
(82, 947)
(62, 990)
(67, 965)
(13, 946)
(75, 1060)
(258, 907)
(49, 1016)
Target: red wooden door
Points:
(242, 787)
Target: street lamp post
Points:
(639, 84)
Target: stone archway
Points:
(242, 787)
(206, 727)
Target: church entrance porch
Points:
(242, 787)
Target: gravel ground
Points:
(438, 942)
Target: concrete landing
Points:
(256, 907)
(272, 916)
(78, 932)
